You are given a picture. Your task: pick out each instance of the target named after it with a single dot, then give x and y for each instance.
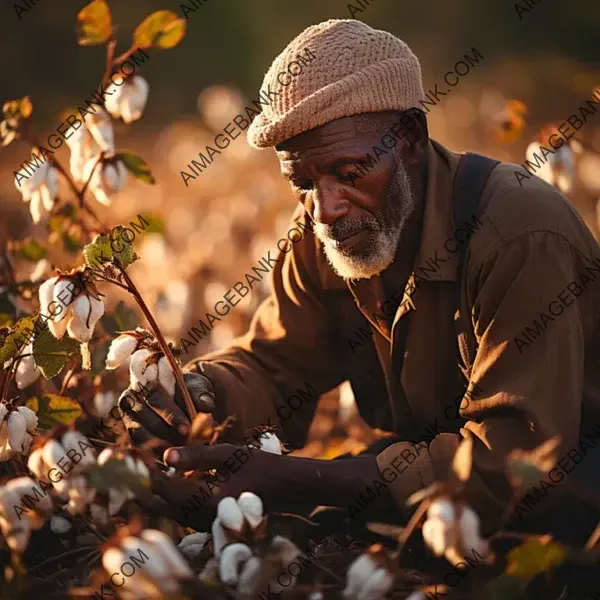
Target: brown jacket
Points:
(530, 287)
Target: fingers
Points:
(143, 415)
(169, 411)
(201, 390)
(186, 458)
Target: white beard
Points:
(384, 235)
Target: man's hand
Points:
(164, 417)
(278, 480)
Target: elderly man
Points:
(457, 302)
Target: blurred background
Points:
(536, 70)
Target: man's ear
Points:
(418, 137)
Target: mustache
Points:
(340, 230)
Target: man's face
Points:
(358, 217)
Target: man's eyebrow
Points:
(349, 159)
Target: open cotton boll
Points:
(25, 485)
(101, 128)
(164, 546)
(231, 561)
(358, 574)
(36, 464)
(31, 419)
(59, 525)
(141, 469)
(192, 545)
(133, 99)
(27, 441)
(104, 403)
(87, 311)
(155, 566)
(17, 427)
(377, 586)
(140, 372)
(26, 372)
(52, 452)
(99, 514)
(3, 412)
(74, 440)
(105, 456)
(34, 180)
(252, 508)
(230, 515)
(62, 293)
(121, 349)
(218, 537)
(250, 578)
(116, 499)
(166, 377)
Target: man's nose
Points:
(329, 203)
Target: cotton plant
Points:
(161, 573)
(128, 100)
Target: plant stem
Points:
(411, 525)
(163, 344)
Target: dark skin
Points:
(318, 164)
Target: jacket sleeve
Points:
(528, 369)
(276, 372)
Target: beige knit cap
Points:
(356, 69)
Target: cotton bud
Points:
(107, 179)
(269, 442)
(252, 508)
(230, 515)
(164, 546)
(219, 537)
(59, 525)
(101, 128)
(192, 545)
(87, 311)
(231, 561)
(365, 580)
(166, 377)
(121, 349)
(104, 403)
(17, 427)
(140, 372)
(129, 99)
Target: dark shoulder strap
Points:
(470, 179)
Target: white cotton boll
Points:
(3, 412)
(36, 207)
(74, 440)
(120, 350)
(165, 547)
(105, 456)
(442, 509)
(62, 487)
(155, 566)
(41, 266)
(318, 595)
(17, 427)
(77, 163)
(192, 545)
(439, 535)
(25, 485)
(218, 536)
(62, 295)
(269, 442)
(230, 563)
(27, 441)
(104, 403)
(86, 313)
(285, 549)
(252, 508)
(166, 377)
(110, 178)
(469, 529)
(123, 175)
(6, 452)
(47, 199)
(36, 179)
(30, 417)
(250, 578)
(114, 93)
(46, 294)
(52, 452)
(358, 574)
(139, 371)
(59, 525)
(18, 538)
(36, 464)
(27, 372)
(101, 128)
(116, 499)
(52, 182)
(377, 586)
(133, 99)
(229, 514)
(112, 560)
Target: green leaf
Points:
(32, 251)
(137, 166)
(162, 28)
(53, 410)
(119, 239)
(50, 354)
(94, 24)
(156, 224)
(115, 474)
(98, 252)
(19, 337)
(537, 555)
